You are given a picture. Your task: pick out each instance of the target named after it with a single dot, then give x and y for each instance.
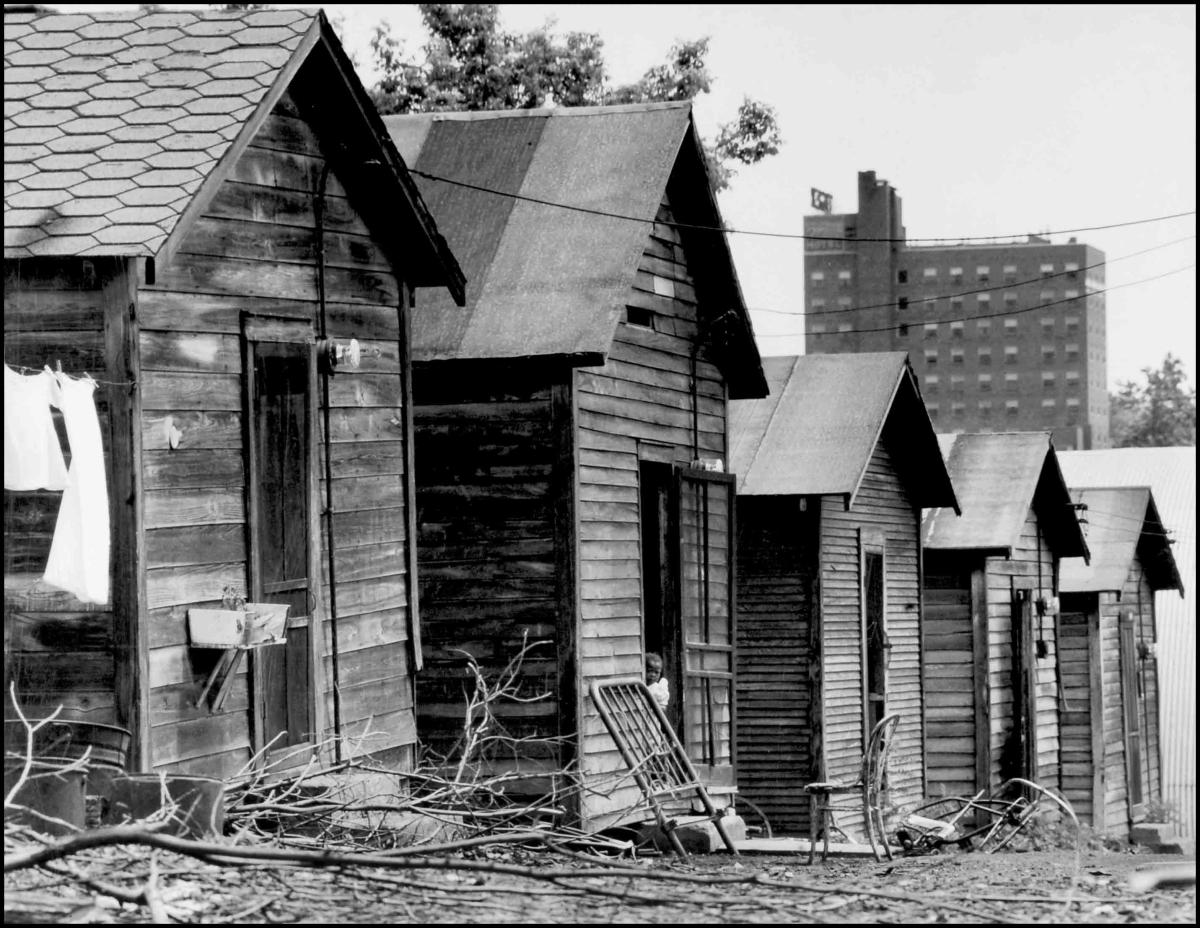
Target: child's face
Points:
(653, 671)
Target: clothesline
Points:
(37, 370)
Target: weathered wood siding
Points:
(1078, 770)
(949, 666)
(57, 649)
(883, 506)
(254, 251)
(777, 656)
(642, 394)
(487, 553)
(1031, 564)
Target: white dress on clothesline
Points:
(78, 561)
(33, 458)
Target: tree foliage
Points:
(1159, 413)
(471, 63)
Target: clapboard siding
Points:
(486, 543)
(255, 251)
(883, 507)
(643, 393)
(58, 650)
(1031, 567)
(776, 656)
(1077, 717)
(948, 652)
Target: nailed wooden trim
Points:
(982, 689)
(404, 311)
(130, 634)
(1096, 684)
(565, 494)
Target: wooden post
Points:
(405, 311)
(983, 689)
(127, 508)
(566, 567)
(1096, 682)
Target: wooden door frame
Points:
(1131, 698)
(871, 541)
(257, 328)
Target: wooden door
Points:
(1020, 750)
(873, 610)
(281, 375)
(706, 607)
(1131, 697)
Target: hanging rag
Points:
(78, 561)
(33, 458)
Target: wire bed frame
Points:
(653, 753)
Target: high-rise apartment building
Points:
(1002, 336)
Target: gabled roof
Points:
(816, 431)
(119, 126)
(544, 280)
(1120, 522)
(998, 477)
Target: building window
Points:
(981, 273)
(1010, 354)
(985, 408)
(1010, 325)
(845, 327)
(844, 302)
(1049, 403)
(1010, 300)
(1011, 407)
(956, 383)
(931, 382)
(931, 329)
(985, 382)
(985, 355)
(818, 328)
(1071, 350)
(958, 409)
(1072, 269)
(1048, 380)
(956, 329)
(902, 276)
(984, 299)
(956, 304)
(903, 330)
(1047, 270)
(956, 275)
(983, 326)
(644, 318)
(929, 273)
(1072, 402)
(1010, 273)
(817, 276)
(844, 279)
(1047, 325)
(1071, 323)
(902, 303)
(932, 409)
(1046, 296)
(1070, 294)
(931, 356)
(1072, 380)
(817, 302)
(1047, 353)
(956, 356)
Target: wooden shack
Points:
(1111, 750)
(834, 468)
(202, 210)
(572, 489)
(990, 651)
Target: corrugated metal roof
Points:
(1119, 522)
(815, 432)
(542, 280)
(112, 120)
(997, 477)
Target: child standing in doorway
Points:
(656, 681)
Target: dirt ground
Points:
(953, 887)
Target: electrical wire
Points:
(995, 315)
(793, 235)
(997, 288)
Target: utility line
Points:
(793, 235)
(998, 287)
(996, 315)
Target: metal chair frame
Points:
(654, 754)
(995, 819)
(822, 807)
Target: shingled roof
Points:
(114, 121)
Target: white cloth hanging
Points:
(33, 458)
(78, 561)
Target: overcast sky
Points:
(988, 120)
